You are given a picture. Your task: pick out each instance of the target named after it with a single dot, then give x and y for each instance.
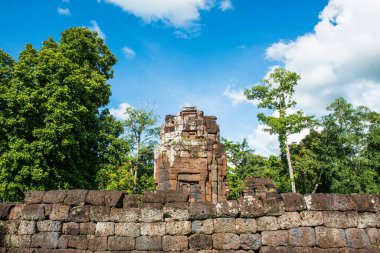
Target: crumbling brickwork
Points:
(190, 156)
(81, 221)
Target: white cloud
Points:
(119, 113)
(63, 11)
(237, 96)
(128, 52)
(226, 5)
(341, 57)
(66, 1)
(95, 27)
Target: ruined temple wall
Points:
(81, 221)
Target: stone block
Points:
(5, 210)
(203, 226)
(357, 238)
(70, 228)
(79, 214)
(225, 225)
(114, 198)
(149, 243)
(342, 202)
(79, 242)
(289, 220)
(366, 202)
(76, 197)
(59, 212)
(48, 240)
(230, 208)
(225, 241)
(293, 202)
(273, 206)
(176, 196)
(174, 243)
(250, 241)
(302, 237)
(311, 218)
(157, 228)
(267, 223)
(49, 226)
(121, 243)
(87, 228)
(252, 207)
(100, 213)
(176, 211)
(105, 229)
(200, 242)
(368, 220)
(124, 214)
(153, 197)
(200, 211)
(55, 197)
(33, 212)
(127, 229)
(20, 241)
(96, 198)
(330, 237)
(178, 227)
(336, 219)
(245, 226)
(151, 215)
(27, 228)
(15, 212)
(373, 235)
(98, 243)
(318, 202)
(34, 197)
(275, 238)
(131, 201)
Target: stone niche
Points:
(190, 157)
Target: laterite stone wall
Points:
(80, 221)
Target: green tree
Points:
(51, 106)
(276, 94)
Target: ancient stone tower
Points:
(190, 156)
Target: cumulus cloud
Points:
(119, 112)
(340, 57)
(63, 11)
(237, 96)
(95, 27)
(128, 52)
(226, 5)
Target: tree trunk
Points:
(291, 174)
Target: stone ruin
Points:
(190, 157)
(258, 186)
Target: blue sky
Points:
(205, 52)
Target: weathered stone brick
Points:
(244, 226)
(330, 237)
(157, 228)
(366, 202)
(289, 220)
(131, 201)
(98, 243)
(34, 197)
(341, 202)
(49, 226)
(76, 197)
(79, 242)
(105, 229)
(225, 241)
(203, 226)
(336, 219)
(251, 207)
(275, 238)
(5, 209)
(79, 214)
(70, 228)
(121, 243)
(373, 235)
(225, 225)
(357, 238)
(176, 196)
(200, 242)
(366, 220)
(87, 228)
(176, 211)
(151, 215)
(302, 237)
(149, 243)
(293, 202)
(27, 228)
(54, 197)
(201, 211)
(230, 208)
(267, 223)
(174, 243)
(96, 198)
(59, 212)
(273, 206)
(47, 240)
(48, 209)
(33, 212)
(250, 241)
(153, 197)
(100, 213)
(114, 198)
(127, 229)
(318, 202)
(178, 227)
(20, 241)
(15, 212)
(124, 215)
(311, 218)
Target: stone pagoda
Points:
(190, 156)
